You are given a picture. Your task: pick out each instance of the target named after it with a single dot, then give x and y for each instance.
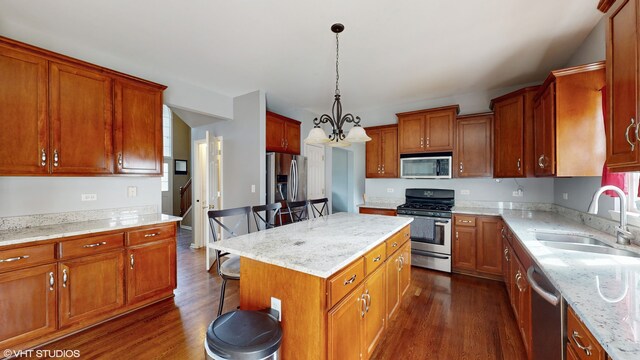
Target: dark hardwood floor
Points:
(441, 317)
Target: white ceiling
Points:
(391, 51)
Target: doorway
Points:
(341, 180)
(315, 171)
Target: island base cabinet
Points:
(90, 286)
(393, 284)
(375, 319)
(28, 304)
(151, 270)
(345, 327)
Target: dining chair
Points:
(229, 269)
(298, 210)
(272, 216)
(319, 207)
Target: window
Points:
(167, 118)
(633, 201)
(164, 181)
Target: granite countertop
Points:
(603, 290)
(54, 231)
(380, 205)
(318, 247)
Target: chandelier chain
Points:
(337, 62)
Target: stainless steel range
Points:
(431, 226)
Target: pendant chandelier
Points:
(337, 120)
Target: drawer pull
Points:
(14, 258)
(52, 281)
(152, 235)
(65, 278)
(465, 221)
(95, 245)
(377, 258)
(346, 282)
(575, 336)
(395, 244)
(132, 262)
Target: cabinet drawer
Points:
(89, 246)
(155, 233)
(375, 258)
(398, 239)
(464, 220)
(580, 339)
(345, 281)
(26, 256)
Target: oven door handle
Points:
(442, 222)
(424, 253)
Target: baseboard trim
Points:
(186, 227)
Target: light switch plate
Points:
(565, 196)
(253, 188)
(465, 192)
(132, 191)
(89, 197)
(390, 190)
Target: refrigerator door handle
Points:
(295, 180)
(290, 183)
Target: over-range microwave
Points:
(425, 166)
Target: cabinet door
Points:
(474, 146)
(389, 154)
(138, 129)
(345, 323)
(90, 286)
(622, 87)
(373, 158)
(411, 134)
(464, 248)
(544, 132)
(439, 130)
(292, 139)
(514, 295)
(23, 100)
(506, 255)
(28, 304)
(275, 133)
(509, 138)
(524, 307)
(376, 315)
(151, 270)
(405, 269)
(81, 121)
(393, 283)
(489, 246)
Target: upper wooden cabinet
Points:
(569, 123)
(138, 128)
(60, 117)
(623, 42)
(513, 133)
(283, 134)
(382, 152)
(474, 146)
(429, 130)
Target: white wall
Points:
(44, 195)
(244, 143)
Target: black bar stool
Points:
(298, 210)
(319, 207)
(272, 216)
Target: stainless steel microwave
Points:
(427, 167)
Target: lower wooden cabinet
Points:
(477, 245)
(464, 248)
(580, 341)
(377, 211)
(345, 327)
(90, 286)
(151, 270)
(28, 304)
(405, 268)
(375, 318)
(393, 284)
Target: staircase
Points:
(185, 198)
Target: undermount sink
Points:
(581, 243)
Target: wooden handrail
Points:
(185, 198)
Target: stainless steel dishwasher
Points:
(547, 317)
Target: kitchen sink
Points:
(568, 238)
(581, 243)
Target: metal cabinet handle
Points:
(503, 232)
(506, 254)
(626, 133)
(421, 142)
(346, 282)
(575, 336)
(394, 244)
(519, 163)
(132, 261)
(427, 142)
(540, 161)
(378, 169)
(457, 235)
(95, 245)
(363, 305)
(52, 281)
(56, 157)
(637, 131)
(65, 278)
(383, 168)
(286, 143)
(461, 167)
(43, 157)
(120, 160)
(377, 258)
(152, 235)
(465, 221)
(14, 258)
(400, 263)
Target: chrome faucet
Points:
(623, 235)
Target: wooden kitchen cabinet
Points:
(464, 248)
(489, 246)
(24, 116)
(623, 41)
(377, 211)
(90, 286)
(393, 283)
(477, 246)
(28, 304)
(474, 146)
(382, 152)
(375, 318)
(568, 123)
(524, 307)
(283, 134)
(151, 270)
(345, 330)
(405, 269)
(138, 128)
(579, 338)
(429, 130)
(513, 133)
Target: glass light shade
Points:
(357, 134)
(316, 136)
(340, 143)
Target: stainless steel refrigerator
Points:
(286, 177)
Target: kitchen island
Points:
(340, 278)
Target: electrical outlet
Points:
(253, 188)
(89, 197)
(465, 192)
(389, 190)
(132, 191)
(518, 193)
(276, 305)
(565, 196)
